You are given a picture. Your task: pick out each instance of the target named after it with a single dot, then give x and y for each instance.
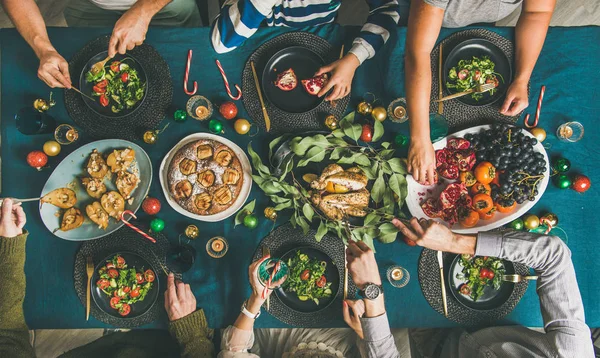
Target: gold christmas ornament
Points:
(364, 108)
(241, 126)
(51, 148)
(41, 105)
(192, 232)
(331, 122)
(379, 114)
(531, 222)
(150, 137)
(538, 133)
(270, 213)
(549, 219)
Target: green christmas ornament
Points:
(157, 225)
(517, 224)
(250, 221)
(215, 126)
(180, 115)
(401, 140)
(562, 181)
(561, 165)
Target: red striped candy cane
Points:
(187, 75)
(227, 83)
(133, 227)
(539, 104)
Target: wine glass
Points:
(30, 121)
(66, 134)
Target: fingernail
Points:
(345, 304)
(171, 274)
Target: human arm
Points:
(424, 24)
(376, 339)
(237, 21)
(560, 300)
(186, 324)
(530, 34)
(14, 336)
(26, 16)
(130, 30)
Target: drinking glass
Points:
(570, 132)
(398, 276)
(66, 134)
(31, 121)
(181, 257)
(265, 272)
(200, 108)
(397, 110)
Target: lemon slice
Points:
(309, 177)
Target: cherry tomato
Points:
(102, 84)
(124, 76)
(135, 292)
(482, 203)
(468, 178)
(501, 206)
(305, 275)
(114, 66)
(127, 289)
(104, 100)
(490, 274)
(139, 278)
(116, 293)
(114, 301)
(493, 80)
(103, 283)
(462, 74)
(149, 275)
(97, 89)
(322, 281)
(409, 242)
(487, 215)
(465, 289)
(477, 75)
(484, 272)
(479, 188)
(468, 217)
(110, 265)
(485, 172)
(112, 273)
(125, 309)
(120, 262)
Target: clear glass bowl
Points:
(398, 276)
(199, 108)
(397, 110)
(570, 132)
(217, 247)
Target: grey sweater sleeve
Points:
(379, 341)
(442, 4)
(560, 300)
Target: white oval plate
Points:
(413, 199)
(72, 169)
(244, 192)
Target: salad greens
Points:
(125, 285)
(469, 74)
(118, 85)
(307, 279)
(479, 272)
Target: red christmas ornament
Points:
(228, 110)
(151, 206)
(37, 159)
(367, 133)
(581, 183)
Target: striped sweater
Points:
(239, 19)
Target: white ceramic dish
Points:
(414, 199)
(244, 192)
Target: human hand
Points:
(179, 299)
(421, 161)
(129, 32)
(257, 286)
(361, 264)
(516, 99)
(435, 236)
(342, 73)
(353, 318)
(54, 69)
(13, 219)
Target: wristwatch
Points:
(247, 313)
(371, 291)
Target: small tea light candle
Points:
(201, 112)
(217, 247)
(399, 112)
(397, 274)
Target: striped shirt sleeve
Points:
(382, 21)
(237, 21)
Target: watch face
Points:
(372, 291)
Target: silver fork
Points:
(478, 89)
(517, 278)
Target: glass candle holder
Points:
(265, 272)
(397, 110)
(199, 108)
(217, 247)
(570, 132)
(398, 276)
(66, 134)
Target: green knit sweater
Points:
(189, 336)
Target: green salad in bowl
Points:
(479, 273)
(468, 74)
(307, 279)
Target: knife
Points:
(260, 97)
(266, 252)
(441, 263)
(440, 104)
(349, 234)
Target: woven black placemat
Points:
(281, 121)
(458, 114)
(127, 240)
(429, 278)
(159, 93)
(286, 238)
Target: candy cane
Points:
(133, 227)
(227, 83)
(187, 75)
(549, 226)
(539, 104)
(266, 289)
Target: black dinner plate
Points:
(86, 87)
(290, 299)
(479, 48)
(490, 299)
(305, 64)
(102, 300)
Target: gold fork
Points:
(478, 89)
(90, 271)
(517, 278)
(99, 66)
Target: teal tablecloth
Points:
(568, 67)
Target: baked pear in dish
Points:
(203, 201)
(126, 183)
(97, 214)
(223, 195)
(120, 160)
(113, 203)
(223, 157)
(187, 166)
(231, 176)
(63, 198)
(183, 190)
(72, 219)
(94, 187)
(96, 166)
(204, 151)
(206, 178)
